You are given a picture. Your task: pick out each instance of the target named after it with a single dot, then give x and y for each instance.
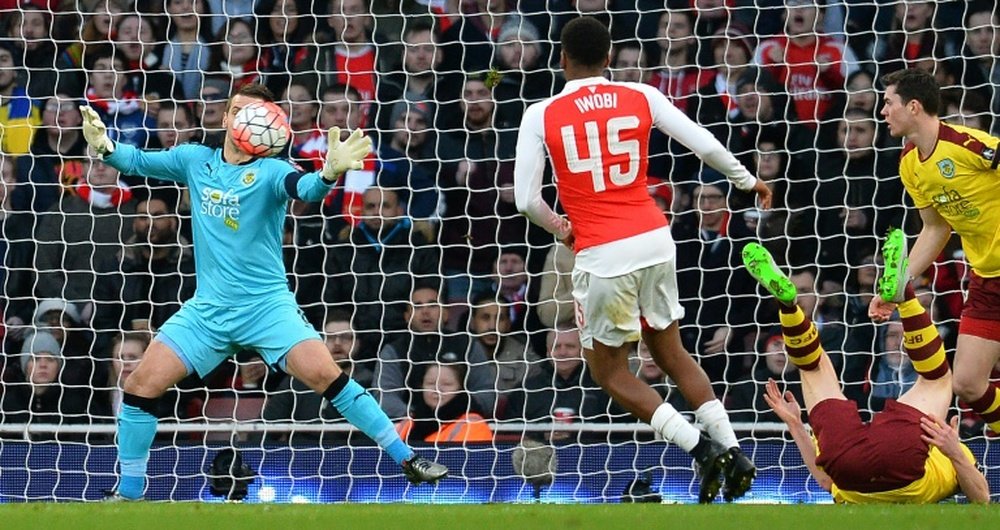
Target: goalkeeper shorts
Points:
(615, 310)
(204, 334)
(883, 455)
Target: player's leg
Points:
(289, 341)
(979, 349)
(190, 340)
(975, 357)
(607, 342)
(932, 393)
(670, 355)
(802, 342)
(659, 304)
(609, 367)
(159, 370)
(309, 361)
(930, 396)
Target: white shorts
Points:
(610, 309)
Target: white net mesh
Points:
(441, 288)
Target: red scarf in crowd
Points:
(128, 103)
(99, 199)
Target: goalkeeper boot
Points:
(114, 496)
(711, 460)
(739, 475)
(760, 264)
(419, 469)
(892, 284)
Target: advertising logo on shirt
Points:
(223, 205)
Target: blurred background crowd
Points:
(426, 283)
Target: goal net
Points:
(421, 277)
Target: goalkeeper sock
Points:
(674, 428)
(136, 429)
(713, 416)
(921, 340)
(360, 408)
(801, 338)
(988, 408)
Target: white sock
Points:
(716, 421)
(674, 428)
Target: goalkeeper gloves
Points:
(95, 132)
(346, 155)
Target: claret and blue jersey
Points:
(238, 214)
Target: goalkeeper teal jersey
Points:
(238, 214)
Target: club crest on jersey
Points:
(947, 168)
(248, 178)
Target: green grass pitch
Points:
(197, 516)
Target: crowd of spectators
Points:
(428, 285)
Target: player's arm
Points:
(944, 436)
(341, 157)
(804, 443)
(529, 163)
(973, 483)
(930, 242)
(674, 123)
(787, 408)
(166, 165)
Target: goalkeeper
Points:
(907, 453)
(242, 300)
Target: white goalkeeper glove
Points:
(95, 132)
(346, 155)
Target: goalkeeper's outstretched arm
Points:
(341, 157)
(166, 165)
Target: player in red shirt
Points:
(596, 133)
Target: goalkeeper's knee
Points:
(150, 406)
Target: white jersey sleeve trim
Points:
(529, 164)
(674, 123)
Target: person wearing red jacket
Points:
(811, 66)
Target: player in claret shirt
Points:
(907, 453)
(596, 133)
(242, 300)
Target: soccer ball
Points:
(261, 129)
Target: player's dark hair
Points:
(256, 91)
(913, 84)
(586, 42)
